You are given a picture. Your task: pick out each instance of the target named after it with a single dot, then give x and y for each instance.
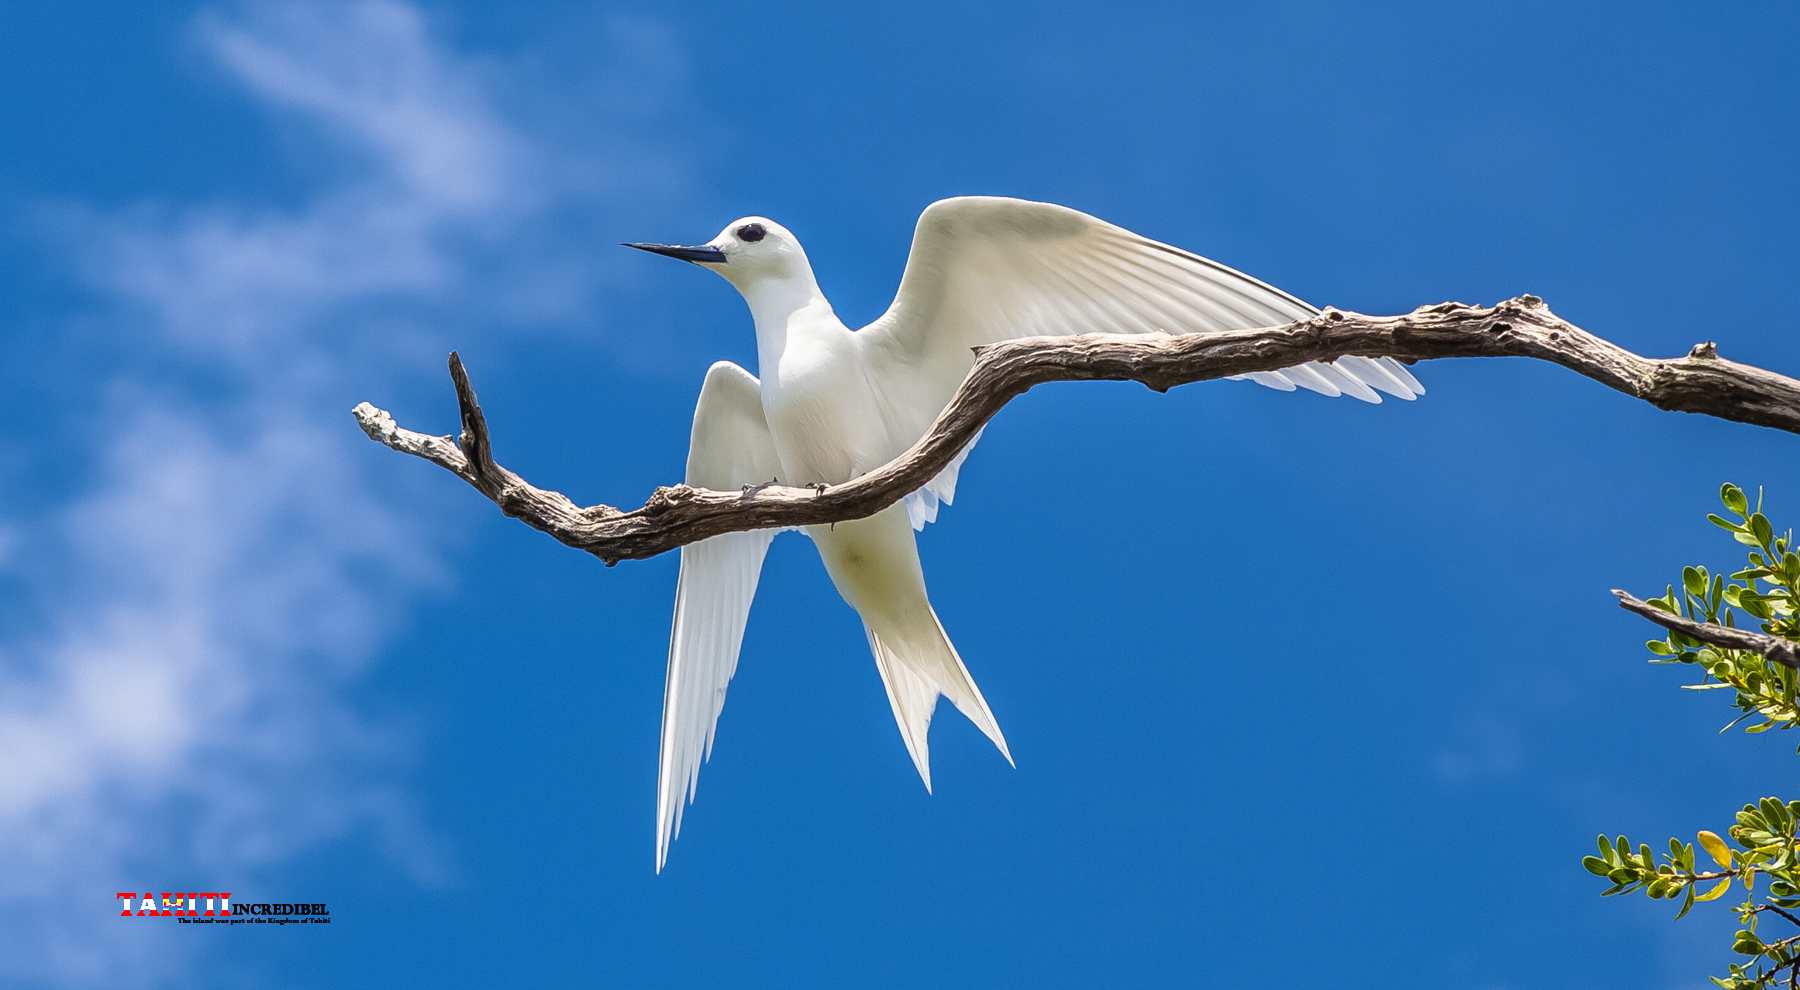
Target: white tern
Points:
(833, 404)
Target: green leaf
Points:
(1772, 811)
(1733, 498)
(1761, 530)
(1660, 647)
(1693, 579)
(1686, 904)
(1716, 892)
(1597, 866)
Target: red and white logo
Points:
(175, 905)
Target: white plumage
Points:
(833, 404)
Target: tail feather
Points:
(916, 669)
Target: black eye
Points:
(752, 232)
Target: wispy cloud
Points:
(207, 604)
(433, 166)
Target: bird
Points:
(829, 404)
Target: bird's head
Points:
(749, 251)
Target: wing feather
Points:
(730, 447)
(984, 269)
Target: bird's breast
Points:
(823, 421)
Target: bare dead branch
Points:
(1774, 647)
(470, 458)
(1701, 382)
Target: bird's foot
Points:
(818, 488)
(751, 490)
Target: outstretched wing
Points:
(730, 448)
(986, 268)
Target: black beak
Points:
(699, 254)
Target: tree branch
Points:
(1775, 648)
(1701, 382)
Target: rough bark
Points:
(1701, 382)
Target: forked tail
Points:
(916, 666)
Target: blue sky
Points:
(1227, 631)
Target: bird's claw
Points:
(751, 490)
(818, 488)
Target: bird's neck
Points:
(790, 314)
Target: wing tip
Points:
(1360, 378)
(1384, 373)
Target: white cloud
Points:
(434, 166)
(218, 597)
(208, 603)
(388, 90)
